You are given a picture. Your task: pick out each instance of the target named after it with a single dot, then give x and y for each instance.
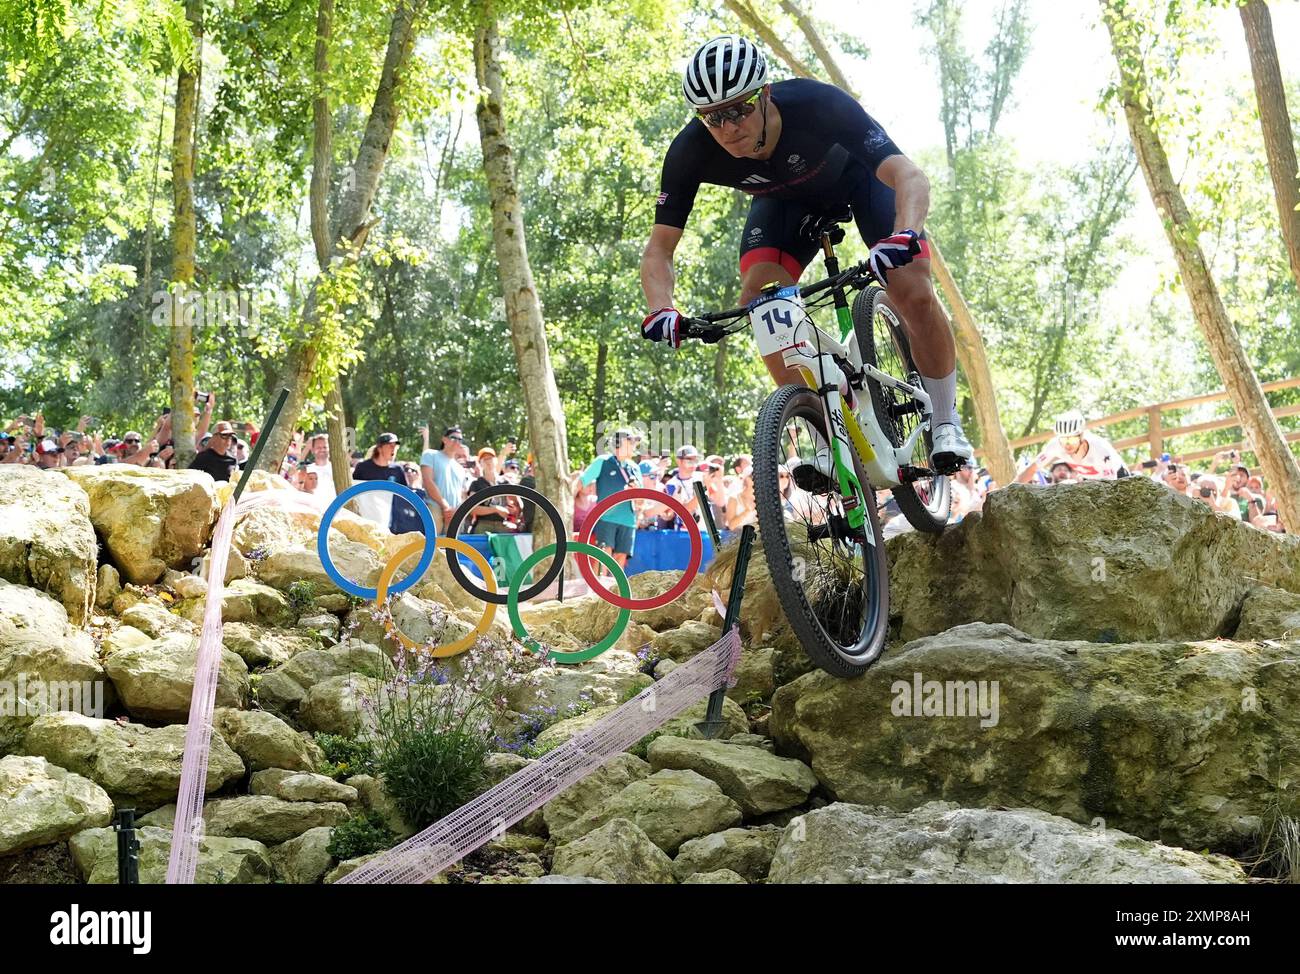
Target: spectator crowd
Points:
(449, 471)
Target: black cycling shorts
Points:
(774, 230)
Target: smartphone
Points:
(202, 396)
(1206, 492)
(1149, 464)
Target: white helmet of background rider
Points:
(1071, 423)
(722, 70)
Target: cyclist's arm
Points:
(657, 266)
(911, 191)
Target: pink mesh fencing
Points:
(450, 839)
(187, 832)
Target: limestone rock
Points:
(221, 860)
(44, 803)
(45, 664)
(375, 799)
(1269, 613)
(689, 639)
(304, 859)
(604, 783)
(717, 877)
(138, 766)
(608, 680)
(301, 787)
(246, 600)
(1171, 741)
(263, 740)
(756, 781)
(156, 681)
(108, 588)
(1108, 561)
(150, 519)
(617, 852)
(755, 676)
(669, 806)
(746, 852)
(941, 843)
(283, 689)
(263, 645)
(269, 820)
(46, 538)
(153, 620)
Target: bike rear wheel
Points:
(925, 503)
(834, 589)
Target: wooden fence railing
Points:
(1157, 433)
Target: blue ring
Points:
(408, 495)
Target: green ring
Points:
(517, 624)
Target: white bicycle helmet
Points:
(722, 70)
(1070, 423)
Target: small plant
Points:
(301, 594)
(258, 553)
(641, 748)
(360, 836)
(536, 720)
(346, 756)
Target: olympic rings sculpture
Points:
(582, 549)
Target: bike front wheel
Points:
(926, 502)
(833, 586)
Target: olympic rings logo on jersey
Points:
(582, 549)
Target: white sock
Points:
(943, 397)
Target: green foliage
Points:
(301, 593)
(360, 836)
(346, 756)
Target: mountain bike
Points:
(823, 542)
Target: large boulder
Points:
(335, 706)
(268, 819)
(304, 859)
(746, 852)
(263, 645)
(669, 806)
(245, 600)
(755, 780)
(138, 766)
(43, 804)
(150, 519)
(221, 860)
(941, 843)
(46, 664)
(283, 566)
(46, 538)
(611, 678)
(617, 852)
(263, 740)
(603, 783)
(283, 689)
(1106, 561)
(1269, 613)
(1188, 743)
(156, 681)
(686, 641)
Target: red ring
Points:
(640, 493)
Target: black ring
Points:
(513, 490)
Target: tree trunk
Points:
(1257, 420)
(818, 45)
(546, 426)
(975, 364)
(180, 344)
(754, 22)
(971, 354)
(335, 421)
(598, 394)
(1276, 123)
(351, 219)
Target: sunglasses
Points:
(733, 113)
(457, 439)
(133, 442)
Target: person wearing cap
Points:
(611, 473)
(215, 459)
(681, 485)
(490, 517)
(442, 475)
(377, 505)
(715, 485)
(48, 454)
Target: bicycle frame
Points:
(781, 323)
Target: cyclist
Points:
(804, 150)
(1090, 456)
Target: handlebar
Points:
(707, 328)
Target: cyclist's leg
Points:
(771, 251)
(910, 293)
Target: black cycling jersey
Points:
(828, 149)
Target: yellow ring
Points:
(465, 641)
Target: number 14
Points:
(777, 316)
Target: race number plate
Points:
(775, 319)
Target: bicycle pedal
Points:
(947, 464)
